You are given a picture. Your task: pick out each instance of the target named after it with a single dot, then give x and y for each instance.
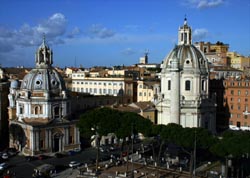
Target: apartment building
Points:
(96, 84)
(215, 53)
(238, 61)
(146, 90)
(237, 99)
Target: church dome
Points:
(44, 77)
(188, 58)
(185, 56)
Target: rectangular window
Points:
(239, 92)
(41, 144)
(187, 85)
(169, 84)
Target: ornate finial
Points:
(43, 38)
(185, 20)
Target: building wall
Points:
(237, 97)
(145, 91)
(101, 85)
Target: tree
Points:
(236, 146)
(102, 121)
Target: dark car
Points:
(41, 157)
(30, 158)
(59, 155)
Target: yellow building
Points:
(145, 90)
(238, 61)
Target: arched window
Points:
(37, 110)
(187, 85)
(203, 85)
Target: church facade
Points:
(183, 96)
(40, 110)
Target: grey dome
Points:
(14, 84)
(43, 79)
(188, 58)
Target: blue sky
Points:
(115, 32)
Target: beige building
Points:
(238, 61)
(146, 90)
(216, 53)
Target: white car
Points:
(5, 156)
(74, 164)
(3, 166)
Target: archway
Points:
(17, 136)
(57, 142)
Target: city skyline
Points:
(108, 33)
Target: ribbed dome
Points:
(188, 58)
(43, 79)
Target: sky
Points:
(91, 33)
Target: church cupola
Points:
(185, 34)
(44, 56)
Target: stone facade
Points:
(40, 110)
(184, 96)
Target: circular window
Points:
(187, 62)
(53, 82)
(38, 82)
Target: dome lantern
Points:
(44, 55)
(185, 34)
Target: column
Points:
(32, 140)
(67, 136)
(37, 140)
(46, 138)
(49, 138)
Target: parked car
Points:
(5, 156)
(74, 164)
(12, 151)
(60, 155)
(41, 157)
(71, 152)
(30, 158)
(3, 166)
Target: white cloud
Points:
(200, 34)
(76, 31)
(54, 28)
(202, 4)
(98, 31)
(128, 51)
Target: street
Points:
(24, 169)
